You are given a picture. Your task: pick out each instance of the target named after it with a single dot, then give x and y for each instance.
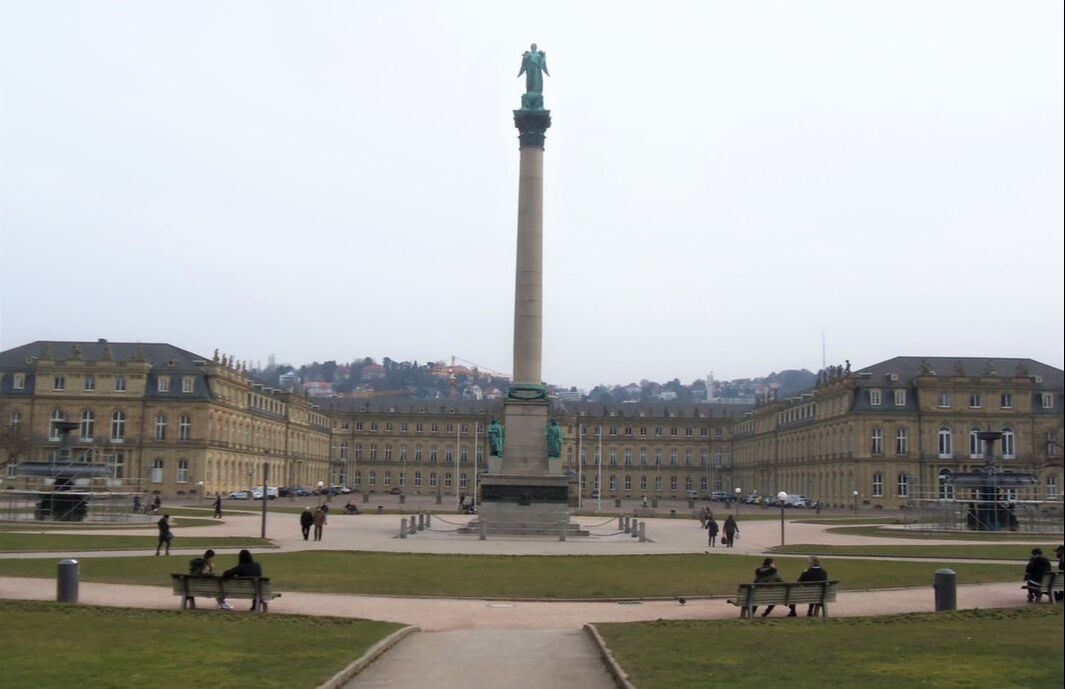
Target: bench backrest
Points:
(1052, 581)
(207, 586)
(787, 593)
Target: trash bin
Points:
(672, 514)
(617, 502)
(380, 509)
(946, 588)
(66, 590)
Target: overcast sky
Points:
(724, 181)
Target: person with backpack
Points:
(204, 567)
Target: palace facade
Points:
(177, 423)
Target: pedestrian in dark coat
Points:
(711, 530)
(165, 534)
(812, 573)
(1033, 574)
(306, 522)
(731, 529)
(766, 574)
(319, 522)
(218, 507)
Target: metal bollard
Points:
(421, 521)
(403, 527)
(484, 529)
(946, 588)
(621, 524)
(643, 532)
(562, 530)
(617, 502)
(66, 590)
(627, 526)
(635, 528)
(672, 514)
(428, 520)
(412, 527)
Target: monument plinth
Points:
(526, 491)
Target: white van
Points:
(797, 501)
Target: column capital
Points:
(532, 124)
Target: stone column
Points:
(528, 277)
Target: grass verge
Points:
(512, 576)
(990, 649)
(120, 648)
(1005, 551)
(880, 532)
(47, 542)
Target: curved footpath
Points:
(468, 642)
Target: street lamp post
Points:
(738, 492)
(320, 484)
(854, 494)
(266, 495)
(781, 498)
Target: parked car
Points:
(240, 495)
(395, 490)
(719, 496)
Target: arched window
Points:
(53, 430)
(1009, 451)
(945, 443)
(88, 424)
(118, 426)
(976, 446)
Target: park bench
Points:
(1053, 582)
(785, 593)
(189, 586)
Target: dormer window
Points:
(1048, 400)
(162, 384)
(900, 398)
(874, 398)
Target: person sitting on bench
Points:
(766, 574)
(1037, 568)
(246, 567)
(813, 573)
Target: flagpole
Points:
(580, 464)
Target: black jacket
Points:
(767, 575)
(814, 574)
(244, 569)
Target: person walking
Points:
(306, 522)
(766, 574)
(319, 523)
(218, 507)
(814, 572)
(712, 529)
(731, 529)
(165, 534)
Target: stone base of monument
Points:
(524, 505)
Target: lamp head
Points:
(782, 495)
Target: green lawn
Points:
(41, 542)
(560, 577)
(986, 649)
(54, 645)
(1005, 551)
(34, 525)
(938, 535)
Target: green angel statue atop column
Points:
(534, 67)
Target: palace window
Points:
(976, 446)
(1009, 451)
(183, 471)
(1047, 398)
(613, 483)
(628, 456)
(702, 484)
(373, 452)
(371, 478)
(388, 453)
(975, 401)
(158, 468)
(88, 424)
(387, 478)
(449, 456)
(643, 483)
(658, 483)
(118, 426)
(433, 456)
(120, 383)
(53, 429)
(874, 398)
(673, 483)
(878, 442)
(1007, 400)
(658, 457)
(946, 490)
(417, 479)
(904, 485)
(944, 400)
(687, 457)
(447, 480)
(160, 427)
(945, 445)
(643, 456)
(878, 485)
(403, 453)
(358, 452)
(163, 384)
(1051, 444)
(673, 456)
(902, 442)
(1052, 486)
(118, 464)
(187, 384)
(59, 383)
(628, 482)
(418, 454)
(900, 398)
(343, 449)
(90, 383)
(613, 457)
(20, 381)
